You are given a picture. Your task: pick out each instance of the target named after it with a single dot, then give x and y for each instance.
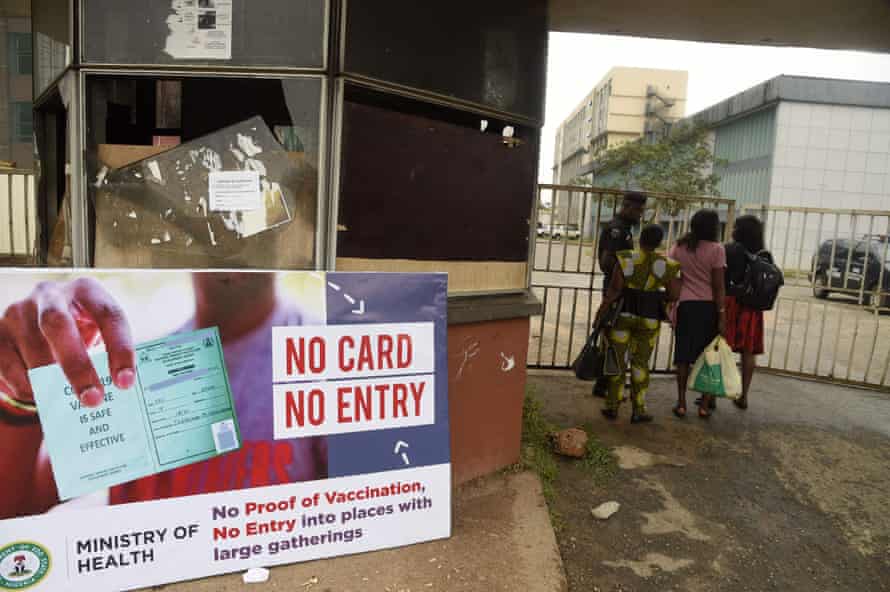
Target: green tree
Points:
(680, 162)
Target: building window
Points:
(23, 122)
(20, 57)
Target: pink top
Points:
(696, 267)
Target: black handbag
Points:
(598, 358)
(588, 365)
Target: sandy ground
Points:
(790, 495)
(502, 540)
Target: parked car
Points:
(570, 231)
(864, 261)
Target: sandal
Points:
(680, 411)
(703, 413)
(740, 403)
(712, 405)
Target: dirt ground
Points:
(502, 540)
(792, 495)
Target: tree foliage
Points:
(681, 162)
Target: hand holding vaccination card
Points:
(179, 411)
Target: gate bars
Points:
(830, 323)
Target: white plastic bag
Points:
(715, 372)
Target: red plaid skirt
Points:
(744, 327)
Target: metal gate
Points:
(831, 321)
(565, 275)
(18, 217)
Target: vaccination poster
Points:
(162, 426)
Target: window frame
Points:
(16, 129)
(19, 51)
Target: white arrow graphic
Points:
(398, 447)
(361, 305)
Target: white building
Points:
(807, 143)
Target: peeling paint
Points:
(507, 362)
(468, 353)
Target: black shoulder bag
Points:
(598, 358)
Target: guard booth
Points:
(387, 136)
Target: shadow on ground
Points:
(791, 495)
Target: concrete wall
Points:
(829, 156)
(486, 387)
(826, 155)
(15, 8)
(627, 106)
(14, 88)
(859, 24)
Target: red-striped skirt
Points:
(744, 327)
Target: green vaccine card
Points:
(180, 411)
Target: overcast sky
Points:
(577, 62)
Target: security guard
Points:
(617, 236)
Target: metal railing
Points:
(18, 217)
(831, 251)
(831, 319)
(816, 330)
(565, 274)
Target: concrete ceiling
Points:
(829, 24)
(15, 8)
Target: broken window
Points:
(180, 178)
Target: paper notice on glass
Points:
(200, 30)
(180, 411)
(235, 191)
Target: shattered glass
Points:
(162, 202)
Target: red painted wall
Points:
(486, 387)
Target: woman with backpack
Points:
(700, 314)
(744, 324)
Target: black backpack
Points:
(763, 279)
